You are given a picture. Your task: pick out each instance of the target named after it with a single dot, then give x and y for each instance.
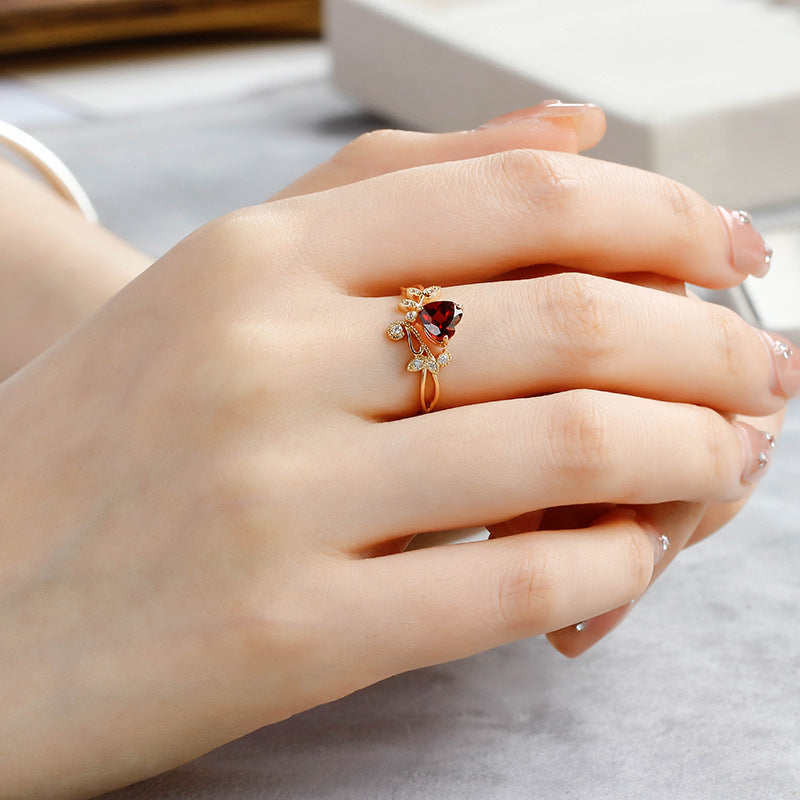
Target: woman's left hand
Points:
(551, 125)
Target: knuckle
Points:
(686, 207)
(533, 179)
(728, 332)
(584, 313)
(238, 238)
(718, 455)
(580, 436)
(637, 556)
(526, 594)
(369, 150)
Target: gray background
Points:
(695, 696)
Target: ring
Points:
(426, 319)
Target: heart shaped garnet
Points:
(439, 319)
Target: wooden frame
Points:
(27, 25)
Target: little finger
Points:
(677, 522)
(451, 601)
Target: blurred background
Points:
(172, 112)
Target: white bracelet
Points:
(50, 166)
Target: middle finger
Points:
(548, 334)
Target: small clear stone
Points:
(396, 331)
(770, 439)
(783, 350)
(411, 316)
(444, 358)
(431, 291)
(763, 460)
(743, 217)
(416, 364)
(664, 542)
(581, 626)
(768, 253)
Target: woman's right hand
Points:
(208, 486)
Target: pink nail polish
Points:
(749, 253)
(785, 361)
(604, 623)
(547, 109)
(758, 446)
(659, 540)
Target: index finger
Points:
(475, 219)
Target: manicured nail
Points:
(758, 446)
(749, 253)
(546, 110)
(785, 360)
(660, 540)
(577, 639)
(604, 623)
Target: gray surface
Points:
(696, 696)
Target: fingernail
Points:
(545, 110)
(749, 253)
(758, 446)
(659, 540)
(605, 623)
(785, 361)
(577, 639)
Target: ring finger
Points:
(489, 462)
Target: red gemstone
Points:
(439, 319)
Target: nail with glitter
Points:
(784, 365)
(757, 448)
(748, 252)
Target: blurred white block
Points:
(775, 299)
(705, 91)
(172, 78)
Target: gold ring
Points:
(426, 320)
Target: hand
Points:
(208, 485)
(554, 126)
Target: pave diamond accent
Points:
(396, 331)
